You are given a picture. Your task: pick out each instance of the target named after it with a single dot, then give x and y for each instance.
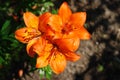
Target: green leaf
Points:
(45, 72)
(48, 4)
(48, 72)
(100, 68)
(5, 28)
(1, 60)
(41, 73)
(54, 11)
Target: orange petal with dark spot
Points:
(42, 46)
(43, 60)
(20, 35)
(57, 62)
(43, 21)
(24, 35)
(64, 12)
(31, 20)
(70, 34)
(51, 35)
(48, 46)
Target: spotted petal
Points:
(43, 60)
(24, 35)
(19, 34)
(51, 35)
(43, 21)
(57, 62)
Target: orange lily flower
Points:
(70, 26)
(30, 34)
(27, 33)
(54, 38)
(38, 44)
(73, 22)
(68, 22)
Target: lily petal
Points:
(48, 47)
(57, 62)
(29, 47)
(24, 35)
(68, 44)
(71, 56)
(43, 21)
(19, 35)
(31, 20)
(65, 12)
(42, 61)
(55, 23)
(70, 34)
(83, 33)
(78, 19)
(51, 35)
(39, 46)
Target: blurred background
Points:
(100, 56)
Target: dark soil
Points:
(100, 56)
